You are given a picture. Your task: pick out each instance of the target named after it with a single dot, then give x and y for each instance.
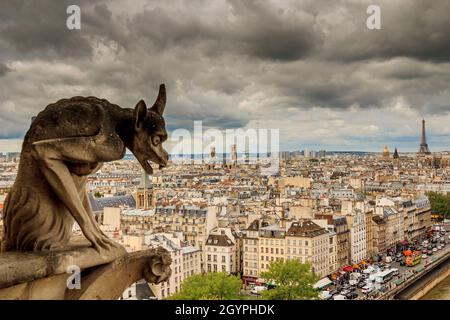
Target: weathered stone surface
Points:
(105, 281)
(18, 267)
(66, 142)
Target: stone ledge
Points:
(42, 276)
(20, 267)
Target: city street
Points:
(404, 272)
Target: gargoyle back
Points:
(74, 117)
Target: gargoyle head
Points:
(150, 133)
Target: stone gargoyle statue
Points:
(66, 142)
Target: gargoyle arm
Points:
(51, 156)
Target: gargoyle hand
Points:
(158, 270)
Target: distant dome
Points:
(386, 151)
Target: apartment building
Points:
(192, 257)
(394, 224)
(342, 241)
(271, 245)
(378, 234)
(221, 251)
(194, 221)
(168, 242)
(306, 241)
(250, 253)
(356, 221)
(369, 233)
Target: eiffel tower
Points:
(423, 149)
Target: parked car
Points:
(439, 247)
(367, 289)
(352, 295)
(345, 292)
(334, 292)
(435, 249)
(325, 295)
(424, 256)
(361, 284)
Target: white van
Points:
(258, 289)
(367, 289)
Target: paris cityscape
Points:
(337, 211)
(225, 150)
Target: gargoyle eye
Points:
(156, 140)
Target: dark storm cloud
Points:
(3, 69)
(416, 30)
(253, 28)
(36, 28)
(227, 62)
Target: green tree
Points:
(98, 194)
(293, 281)
(440, 203)
(210, 286)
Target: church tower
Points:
(395, 156)
(144, 193)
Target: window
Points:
(223, 259)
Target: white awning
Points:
(322, 283)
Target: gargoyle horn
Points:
(160, 102)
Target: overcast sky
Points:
(310, 68)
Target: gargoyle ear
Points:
(140, 111)
(160, 102)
